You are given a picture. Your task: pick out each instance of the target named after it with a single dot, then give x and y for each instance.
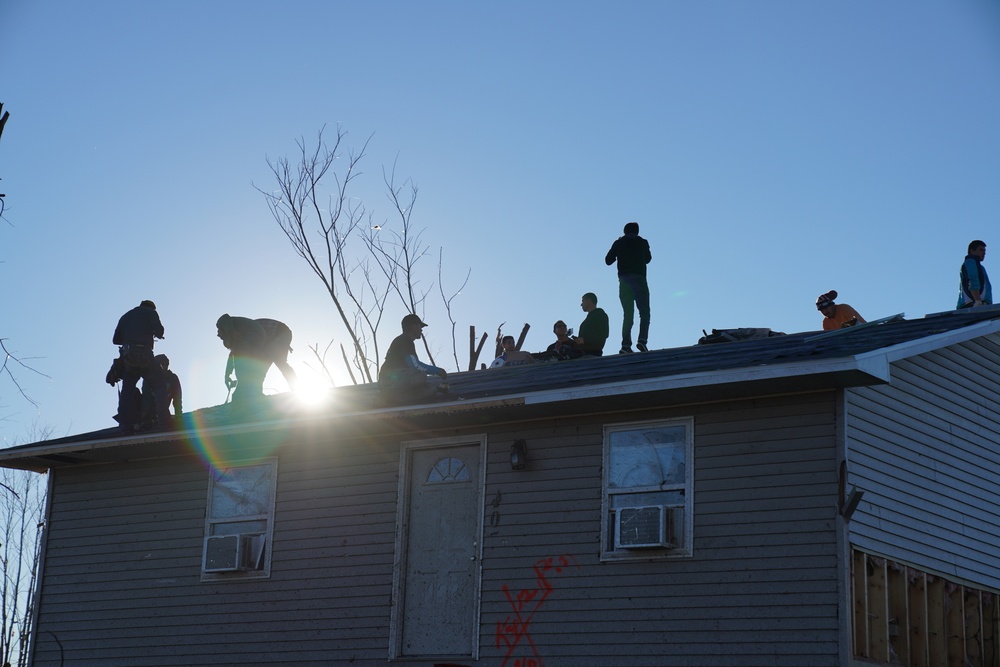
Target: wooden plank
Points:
(898, 597)
(937, 636)
(955, 624)
(973, 612)
(918, 619)
(991, 630)
(859, 579)
(878, 609)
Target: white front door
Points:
(438, 587)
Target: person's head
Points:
(978, 249)
(588, 302)
(223, 325)
(162, 361)
(413, 326)
(631, 228)
(825, 304)
(507, 342)
(146, 303)
(559, 328)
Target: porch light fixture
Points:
(518, 455)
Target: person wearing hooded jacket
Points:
(631, 251)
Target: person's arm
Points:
(230, 367)
(612, 255)
(176, 391)
(413, 362)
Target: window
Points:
(238, 521)
(648, 490)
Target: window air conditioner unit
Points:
(234, 553)
(649, 527)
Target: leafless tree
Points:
(21, 522)
(362, 265)
(319, 225)
(10, 361)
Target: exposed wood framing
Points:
(903, 616)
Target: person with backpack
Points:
(134, 335)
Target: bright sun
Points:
(311, 391)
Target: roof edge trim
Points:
(875, 366)
(930, 343)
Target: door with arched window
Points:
(438, 551)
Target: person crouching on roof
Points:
(403, 377)
(836, 316)
(245, 339)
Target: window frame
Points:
(686, 548)
(216, 473)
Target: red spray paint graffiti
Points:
(513, 632)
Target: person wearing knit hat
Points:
(836, 316)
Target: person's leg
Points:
(279, 349)
(250, 374)
(154, 380)
(627, 298)
(128, 400)
(407, 385)
(642, 302)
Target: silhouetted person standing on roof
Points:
(631, 251)
(975, 289)
(134, 334)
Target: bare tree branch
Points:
(21, 524)
(360, 285)
(297, 209)
(5, 369)
(447, 303)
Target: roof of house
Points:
(777, 364)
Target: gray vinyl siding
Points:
(122, 579)
(925, 450)
(761, 587)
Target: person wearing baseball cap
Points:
(403, 377)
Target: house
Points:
(800, 500)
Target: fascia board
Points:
(937, 341)
(875, 366)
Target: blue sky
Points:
(770, 151)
